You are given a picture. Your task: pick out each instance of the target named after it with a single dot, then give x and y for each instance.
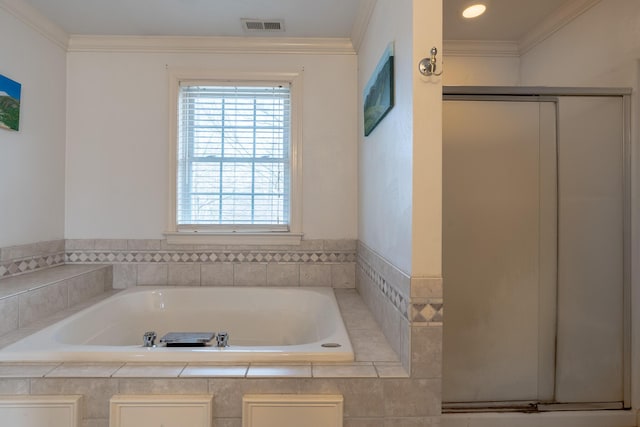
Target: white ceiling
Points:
(506, 20)
(302, 18)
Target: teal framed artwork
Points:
(379, 92)
(9, 103)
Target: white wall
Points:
(598, 48)
(386, 155)
(117, 145)
(32, 160)
(400, 161)
(426, 247)
(462, 70)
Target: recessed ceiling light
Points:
(474, 11)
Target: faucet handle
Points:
(149, 339)
(222, 339)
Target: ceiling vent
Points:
(257, 25)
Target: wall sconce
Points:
(427, 66)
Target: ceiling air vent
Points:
(257, 25)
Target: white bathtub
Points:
(264, 325)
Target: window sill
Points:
(209, 238)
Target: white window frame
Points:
(239, 235)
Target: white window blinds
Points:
(234, 156)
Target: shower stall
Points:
(536, 229)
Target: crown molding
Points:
(563, 16)
(480, 48)
(359, 30)
(162, 44)
(36, 21)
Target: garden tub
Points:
(263, 324)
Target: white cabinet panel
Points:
(291, 410)
(40, 411)
(161, 411)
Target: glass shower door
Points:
(499, 251)
(590, 355)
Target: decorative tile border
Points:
(431, 312)
(28, 265)
(16, 260)
(130, 251)
(203, 256)
(425, 309)
(21, 259)
(396, 298)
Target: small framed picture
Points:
(379, 92)
(9, 103)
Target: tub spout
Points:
(149, 339)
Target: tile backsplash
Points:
(409, 310)
(20, 259)
(154, 262)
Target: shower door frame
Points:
(544, 93)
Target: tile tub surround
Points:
(408, 309)
(376, 389)
(154, 262)
(21, 259)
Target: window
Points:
(235, 159)
(233, 156)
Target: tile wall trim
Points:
(21, 259)
(16, 260)
(427, 308)
(155, 262)
(207, 256)
(391, 282)
(390, 292)
(158, 251)
(429, 313)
